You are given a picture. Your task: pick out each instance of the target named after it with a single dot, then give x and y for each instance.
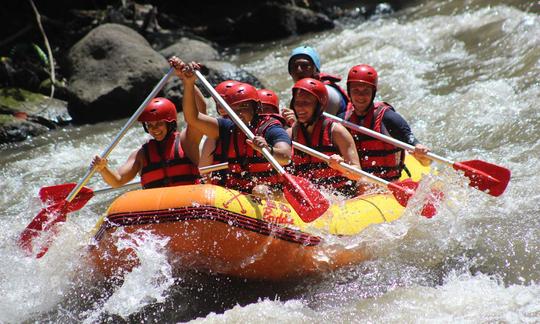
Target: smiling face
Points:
(245, 110)
(361, 95)
(158, 129)
(302, 68)
(304, 105)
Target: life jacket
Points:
(332, 80)
(169, 168)
(376, 157)
(247, 167)
(314, 169)
(276, 116)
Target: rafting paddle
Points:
(402, 190)
(484, 176)
(306, 200)
(64, 197)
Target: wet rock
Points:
(191, 50)
(50, 112)
(215, 72)
(13, 129)
(110, 72)
(271, 21)
(24, 114)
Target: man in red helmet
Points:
(221, 88)
(247, 166)
(269, 101)
(315, 130)
(209, 146)
(379, 158)
(169, 159)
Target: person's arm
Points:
(277, 141)
(334, 104)
(345, 143)
(399, 129)
(190, 139)
(207, 156)
(280, 143)
(125, 173)
(200, 102)
(201, 122)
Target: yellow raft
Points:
(218, 230)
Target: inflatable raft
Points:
(218, 230)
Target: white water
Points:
(463, 73)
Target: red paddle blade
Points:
(430, 206)
(46, 218)
(485, 176)
(53, 214)
(306, 200)
(404, 190)
(58, 193)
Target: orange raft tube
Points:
(218, 230)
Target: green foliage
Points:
(42, 56)
(29, 52)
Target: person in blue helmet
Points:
(306, 63)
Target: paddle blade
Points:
(404, 190)
(46, 218)
(485, 176)
(59, 193)
(53, 214)
(306, 200)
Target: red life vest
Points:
(376, 157)
(314, 169)
(169, 168)
(276, 116)
(247, 167)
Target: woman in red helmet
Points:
(209, 145)
(379, 158)
(322, 134)
(169, 159)
(247, 167)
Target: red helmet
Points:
(224, 86)
(269, 97)
(315, 87)
(159, 109)
(241, 92)
(363, 73)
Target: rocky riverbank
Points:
(107, 56)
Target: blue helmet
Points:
(308, 51)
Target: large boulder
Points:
(191, 50)
(110, 72)
(270, 21)
(215, 72)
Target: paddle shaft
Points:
(120, 135)
(213, 167)
(238, 121)
(385, 138)
(137, 184)
(326, 158)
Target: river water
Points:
(465, 74)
